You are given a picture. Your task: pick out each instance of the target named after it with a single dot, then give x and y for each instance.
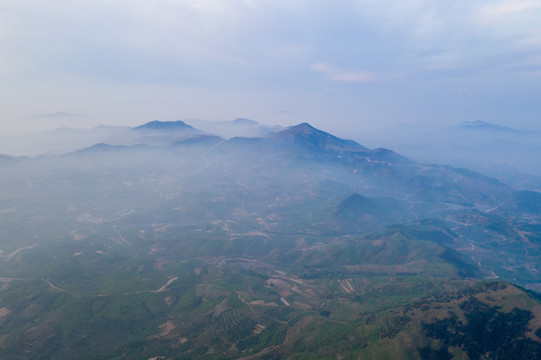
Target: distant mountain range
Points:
(506, 153)
(165, 125)
(169, 240)
(152, 133)
(483, 125)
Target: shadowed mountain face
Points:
(281, 245)
(307, 136)
(508, 154)
(66, 140)
(239, 127)
(483, 126)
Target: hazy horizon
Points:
(162, 196)
(359, 65)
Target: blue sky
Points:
(344, 66)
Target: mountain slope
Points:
(165, 126)
(294, 245)
(483, 125)
(307, 136)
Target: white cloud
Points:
(358, 77)
(506, 10)
(58, 114)
(248, 32)
(422, 18)
(447, 60)
(324, 68)
(51, 50)
(4, 66)
(334, 73)
(534, 40)
(211, 6)
(457, 34)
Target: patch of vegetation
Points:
(487, 332)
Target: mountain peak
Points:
(307, 135)
(100, 148)
(479, 124)
(303, 130)
(165, 125)
(244, 121)
(305, 127)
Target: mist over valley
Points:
(201, 240)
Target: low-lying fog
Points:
(508, 154)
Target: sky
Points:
(345, 66)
